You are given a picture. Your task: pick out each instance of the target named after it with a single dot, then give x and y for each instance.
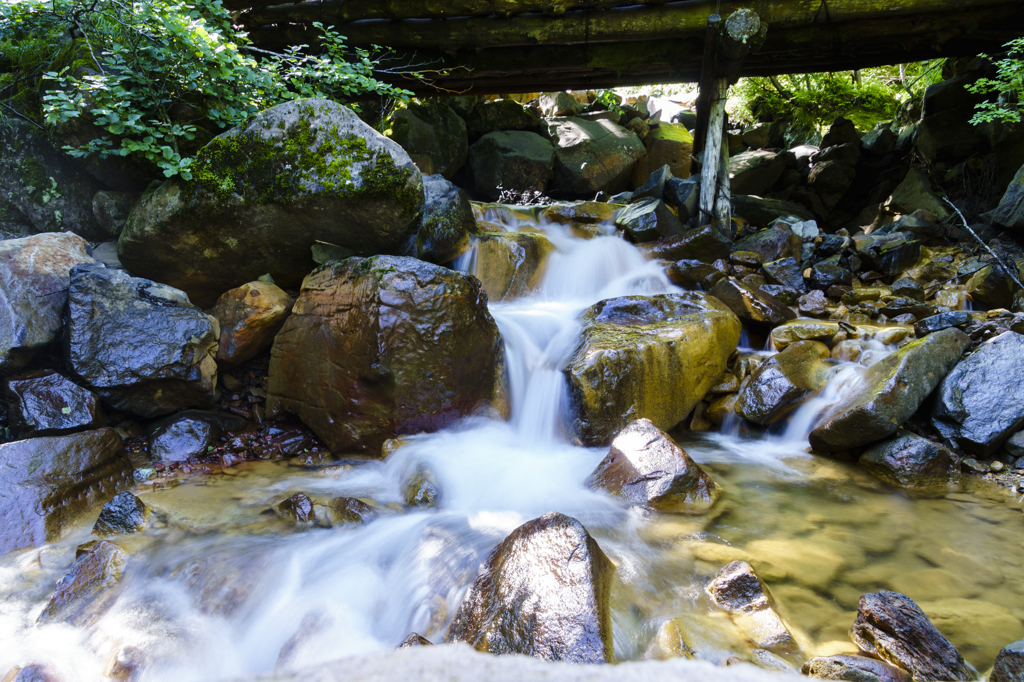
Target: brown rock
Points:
(511, 264)
(783, 382)
(738, 590)
(249, 316)
(750, 304)
(84, 593)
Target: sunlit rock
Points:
(511, 264)
(853, 669)
(249, 317)
(84, 593)
(783, 382)
(909, 461)
(738, 590)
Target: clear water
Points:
(223, 589)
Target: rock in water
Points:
(738, 590)
(511, 264)
(783, 382)
(46, 483)
(853, 669)
(123, 514)
(890, 391)
(447, 221)
(296, 174)
(1009, 665)
(981, 402)
(651, 357)
(82, 595)
(249, 318)
(34, 277)
(646, 467)
(46, 402)
(384, 346)
(542, 592)
(909, 461)
(142, 346)
(890, 626)
(415, 639)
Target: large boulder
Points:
(510, 160)
(704, 244)
(833, 172)
(647, 357)
(909, 461)
(761, 211)
(915, 193)
(669, 144)
(511, 264)
(500, 115)
(543, 592)
(949, 137)
(262, 194)
(47, 483)
(1010, 212)
(783, 382)
(890, 391)
(648, 220)
(34, 277)
(739, 591)
(592, 156)
(42, 184)
(46, 402)
(432, 134)
(447, 221)
(980, 403)
(890, 626)
(1009, 665)
(991, 286)
(249, 317)
(384, 346)
(138, 344)
(755, 172)
(773, 243)
(645, 467)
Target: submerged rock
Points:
(890, 391)
(890, 626)
(47, 403)
(125, 513)
(141, 345)
(738, 590)
(47, 483)
(646, 467)
(853, 669)
(783, 382)
(511, 264)
(34, 278)
(297, 508)
(249, 318)
(350, 510)
(981, 402)
(651, 357)
(84, 594)
(543, 592)
(1009, 665)
(909, 461)
(384, 346)
(296, 174)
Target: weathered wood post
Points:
(729, 45)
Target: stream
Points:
(223, 588)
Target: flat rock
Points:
(751, 305)
(738, 590)
(783, 382)
(249, 317)
(853, 669)
(646, 467)
(543, 592)
(45, 402)
(909, 461)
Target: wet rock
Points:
(296, 174)
(182, 436)
(47, 483)
(935, 323)
(760, 211)
(125, 513)
(647, 357)
(44, 402)
(1009, 665)
(415, 640)
(646, 467)
(592, 156)
(785, 272)
(298, 508)
(351, 510)
(510, 265)
(890, 626)
(750, 304)
(890, 391)
(384, 346)
(980, 403)
(138, 344)
(773, 243)
(499, 115)
(34, 278)
(432, 134)
(447, 221)
(783, 382)
(992, 287)
(738, 590)
(704, 244)
(915, 193)
(683, 196)
(909, 461)
(827, 275)
(648, 220)
(421, 489)
(31, 673)
(889, 254)
(85, 593)
(693, 273)
(813, 303)
(668, 144)
(853, 669)
(755, 172)
(249, 318)
(1010, 212)
(512, 161)
(1015, 445)
(543, 592)
(803, 330)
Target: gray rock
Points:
(683, 195)
(889, 254)
(654, 187)
(750, 304)
(935, 323)
(138, 344)
(890, 392)
(559, 104)
(550, 574)
(890, 626)
(949, 137)
(853, 669)
(914, 193)
(1009, 665)
(880, 141)
(755, 172)
(34, 278)
(787, 272)
(414, 640)
(111, 210)
(704, 244)
(510, 160)
(1010, 212)
(178, 438)
(773, 243)
(980, 403)
(498, 116)
(46, 402)
(125, 513)
(909, 461)
(648, 220)
(761, 211)
(783, 382)
(447, 221)
(833, 172)
(264, 193)
(1015, 445)
(432, 134)
(86, 592)
(646, 467)
(738, 590)
(592, 156)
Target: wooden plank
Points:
(706, 83)
(357, 10)
(712, 152)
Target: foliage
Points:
(610, 100)
(150, 80)
(1008, 84)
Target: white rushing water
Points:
(213, 605)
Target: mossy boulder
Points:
(447, 221)
(384, 346)
(651, 357)
(510, 160)
(592, 156)
(432, 134)
(511, 264)
(298, 174)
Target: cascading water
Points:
(221, 590)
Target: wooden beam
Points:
(358, 10)
(706, 83)
(712, 153)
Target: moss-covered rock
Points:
(263, 194)
(592, 156)
(447, 221)
(511, 264)
(433, 135)
(647, 357)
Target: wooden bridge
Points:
(500, 46)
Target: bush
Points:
(152, 75)
(1008, 84)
